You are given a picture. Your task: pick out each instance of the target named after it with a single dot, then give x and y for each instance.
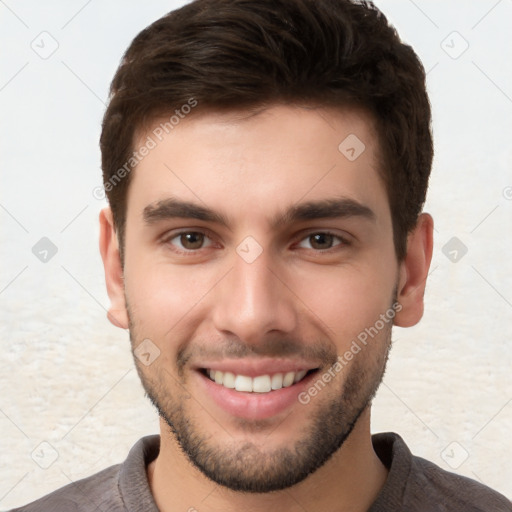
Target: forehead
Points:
(254, 165)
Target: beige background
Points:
(70, 399)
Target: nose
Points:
(254, 301)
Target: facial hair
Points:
(246, 467)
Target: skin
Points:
(296, 299)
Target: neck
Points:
(349, 481)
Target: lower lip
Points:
(254, 406)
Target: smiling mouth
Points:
(260, 384)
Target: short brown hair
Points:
(245, 54)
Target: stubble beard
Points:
(245, 466)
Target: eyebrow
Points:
(334, 208)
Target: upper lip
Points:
(260, 366)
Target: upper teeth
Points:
(259, 384)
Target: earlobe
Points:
(414, 272)
(109, 249)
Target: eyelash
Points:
(190, 252)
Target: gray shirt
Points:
(413, 485)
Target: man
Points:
(266, 164)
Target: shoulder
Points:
(96, 492)
(418, 485)
(452, 491)
(116, 489)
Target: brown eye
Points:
(321, 241)
(188, 241)
(192, 240)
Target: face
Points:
(257, 253)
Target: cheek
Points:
(347, 299)
(162, 297)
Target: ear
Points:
(109, 249)
(414, 271)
